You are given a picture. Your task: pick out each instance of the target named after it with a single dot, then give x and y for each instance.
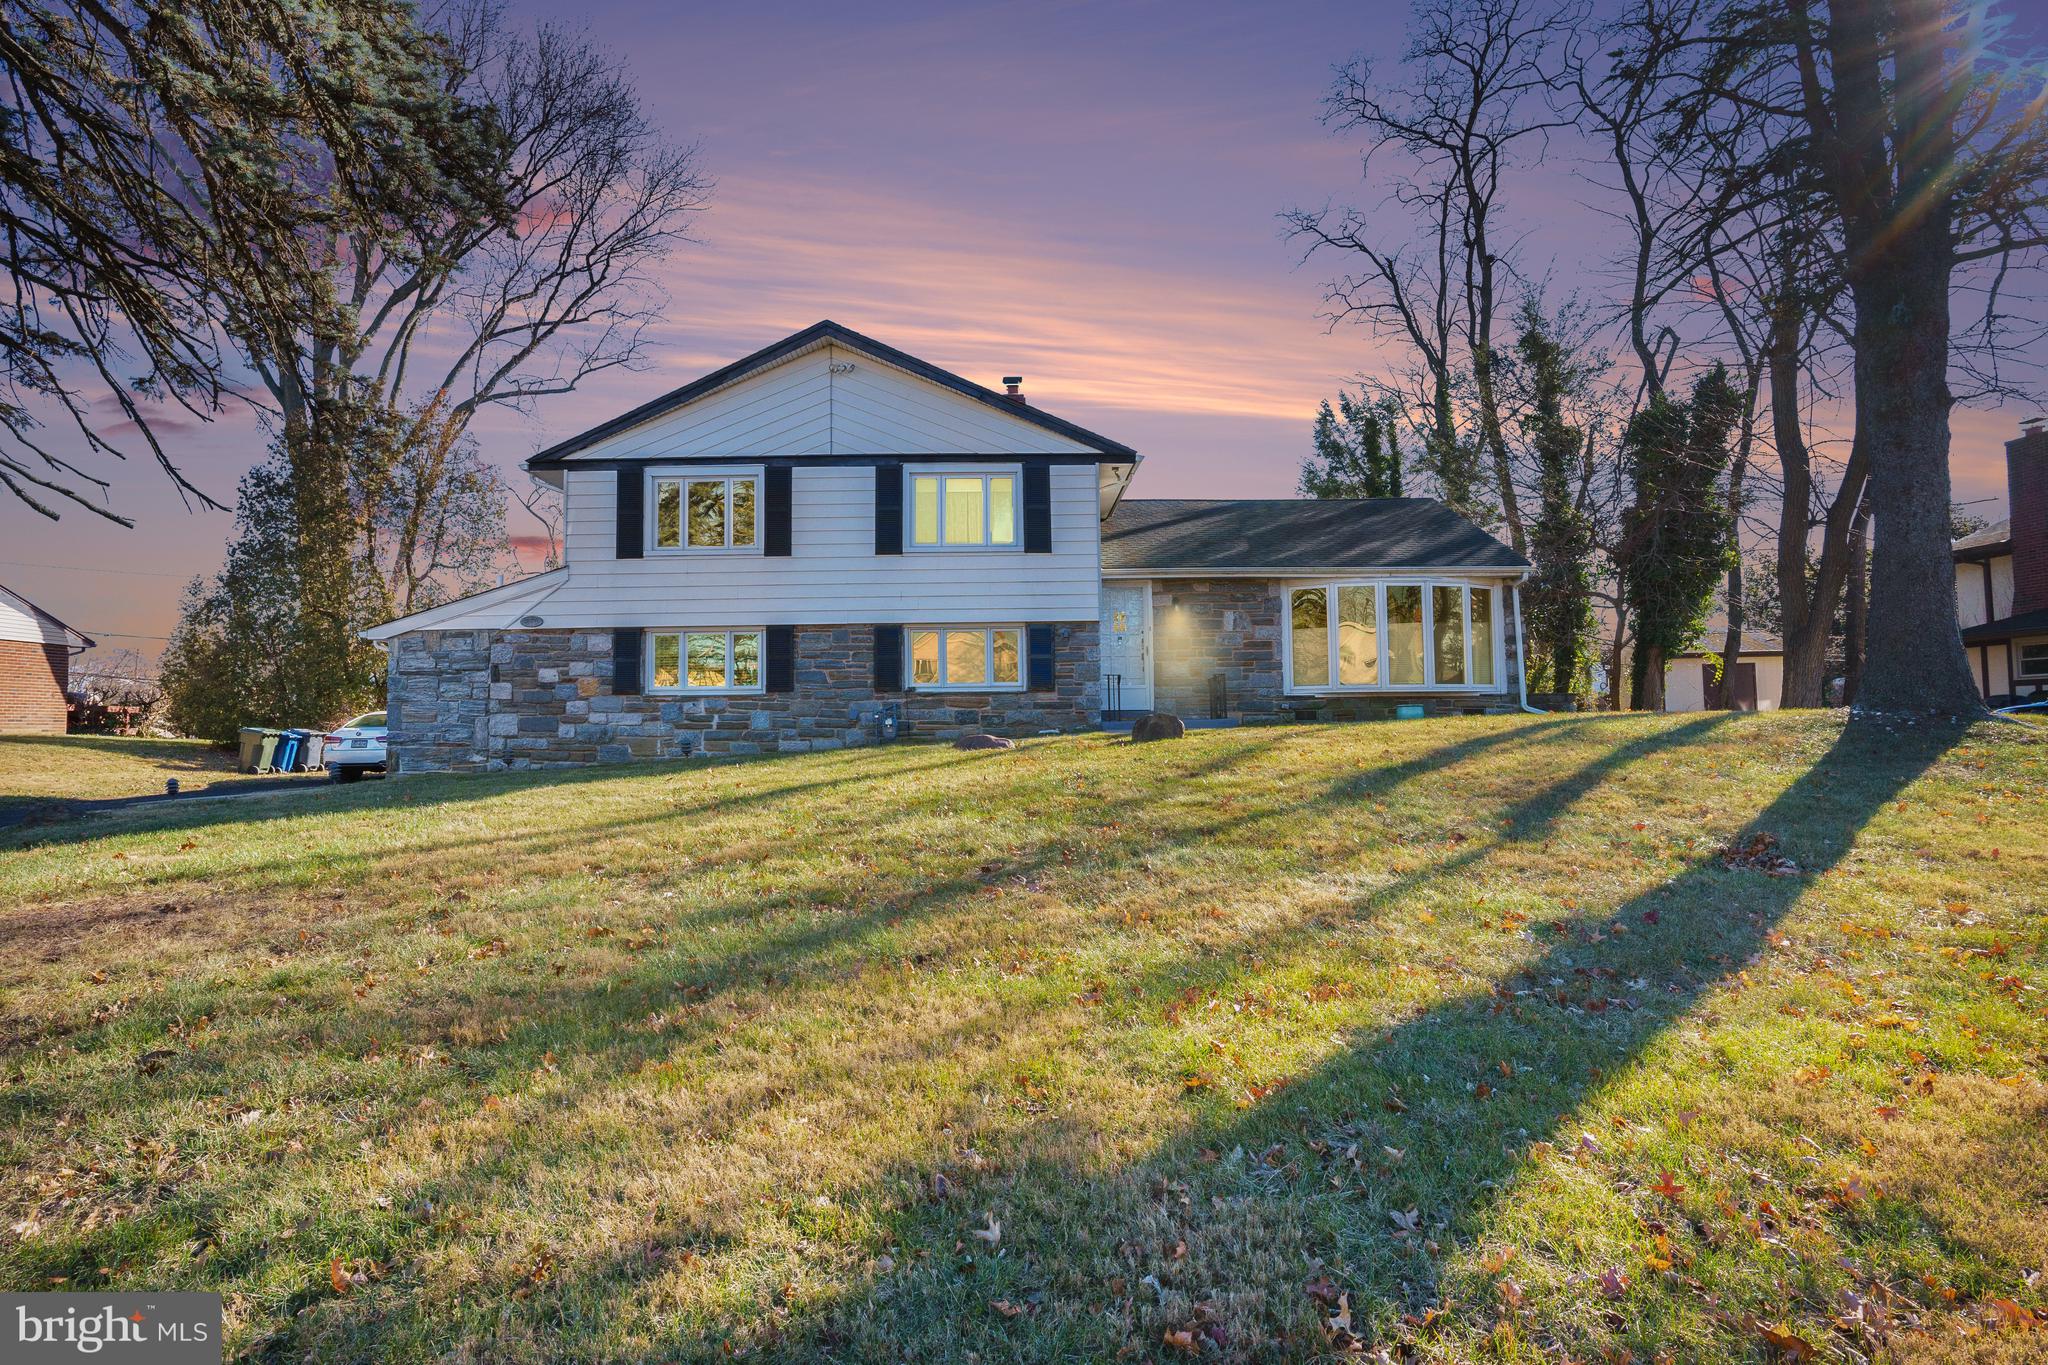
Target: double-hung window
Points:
(710, 511)
(2030, 659)
(1380, 635)
(982, 657)
(687, 661)
(961, 510)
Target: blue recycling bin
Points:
(288, 746)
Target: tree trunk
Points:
(1854, 645)
(1915, 659)
(1647, 694)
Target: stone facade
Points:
(479, 699)
(1203, 627)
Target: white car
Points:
(355, 748)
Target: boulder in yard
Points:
(984, 742)
(1158, 725)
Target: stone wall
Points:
(467, 700)
(1205, 626)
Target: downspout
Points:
(1522, 655)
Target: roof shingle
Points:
(1248, 534)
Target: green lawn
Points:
(1453, 1040)
(39, 770)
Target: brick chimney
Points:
(1013, 387)
(2026, 488)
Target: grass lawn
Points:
(1449, 1040)
(38, 770)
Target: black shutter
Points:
(888, 509)
(780, 673)
(888, 658)
(775, 511)
(626, 661)
(632, 507)
(1037, 507)
(1039, 649)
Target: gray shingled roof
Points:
(1297, 533)
(1996, 536)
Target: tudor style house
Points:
(2002, 581)
(832, 542)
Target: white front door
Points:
(1127, 646)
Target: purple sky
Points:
(1084, 193)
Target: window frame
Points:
(984, 473)
(1382, 634)
(682, 634)
(988, 657)
(2019, 648)
(684, 476)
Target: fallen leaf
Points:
(991, 1234)
(1668, 1188)
(338, 1277)
(1182, 1340)
(1006, 1308)
(1786, 1342)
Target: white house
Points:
(1697, 681)
(831, 541)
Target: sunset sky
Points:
(1086, 194)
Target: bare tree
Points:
(485, 308)
(1928, 146)
(1475, 106)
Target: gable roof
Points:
(1247, 535)
(815, 334)
(26, 616)
(1988, 540)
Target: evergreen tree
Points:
(1682, 537)
(1557, 601)
(245, 652)
(1357, 454)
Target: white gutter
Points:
(1522, 655)
(1297, 573)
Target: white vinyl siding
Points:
(20, 621)
(832, 574)
(802, 407)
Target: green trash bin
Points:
(251, 749)
(266, 749)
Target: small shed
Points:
(35, 666)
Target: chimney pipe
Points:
(1013, 387)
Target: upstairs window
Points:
(713, 513)
(963, 511)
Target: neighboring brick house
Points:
(830, 541)
(35, 666)
(2002, 580)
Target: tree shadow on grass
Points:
(1223, 1222)
(1072, 1227)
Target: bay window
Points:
(963, 510)
(704, 661)
(1376, 635)
(966, 656)
(712, 512)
